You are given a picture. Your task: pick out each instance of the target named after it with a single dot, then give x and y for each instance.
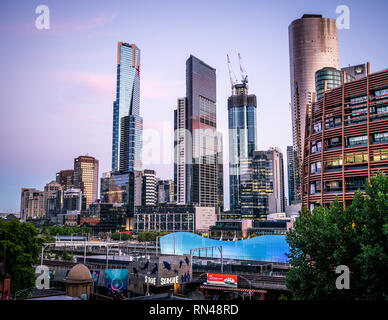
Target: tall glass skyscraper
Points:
(201, 171)
(127, 123)
(242, 141)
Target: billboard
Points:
(116, 279)
(224, 280)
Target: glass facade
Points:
(271, 248)
(333, 79)
(201, 167)
(127, 123)
(242, 142)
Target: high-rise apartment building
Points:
(197, 141)
(181, 144)
(86, 177)
(65, 178)
(242, 140)
(127, 123)
(149, 196)
(346, 141)
(313, 45)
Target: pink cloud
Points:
(96, 83)
(58, 26)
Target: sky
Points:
(57, 86)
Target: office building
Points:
(31, 204)
(66, 179)
(165, 191)
(53, 199)
(106, 217)
(149, 196)
(73, 200)
(127, 123)
(256, 186)
(86, 177)
(201, 151)
(242, 139)
(347, 140)
(174, 218)
(276, 201)
(313, 45)
(293, 180)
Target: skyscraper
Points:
(313, 45)
(276, 201)
(31, 204)
(127, 123)
(256, 185)
(292, 181)
(181, 144)
(66, 179)
(86, 177)
(242, 139)
(199, 138)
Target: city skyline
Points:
(33, 151)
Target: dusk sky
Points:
(58, 85)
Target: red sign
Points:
(225, 280)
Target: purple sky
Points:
(58, 85)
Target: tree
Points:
(356, 237)
(20, 251)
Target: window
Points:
(333, 186)
(380, 137)
(355, 141)
(332, 123)
(316, 146)
(333, 142)
(318, 127)
(379, 155)
(315, 167)
(355, 183)
(334, 164)
(315, 187)
(356, 157)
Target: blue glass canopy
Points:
(271, 248)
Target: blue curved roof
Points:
(271, 248)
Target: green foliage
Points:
(124, 236)
(331, 236)
(20, 249)
(150, 235)
(65, 230)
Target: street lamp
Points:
(250, 286)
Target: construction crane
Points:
(232, 76)
(244, 77)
